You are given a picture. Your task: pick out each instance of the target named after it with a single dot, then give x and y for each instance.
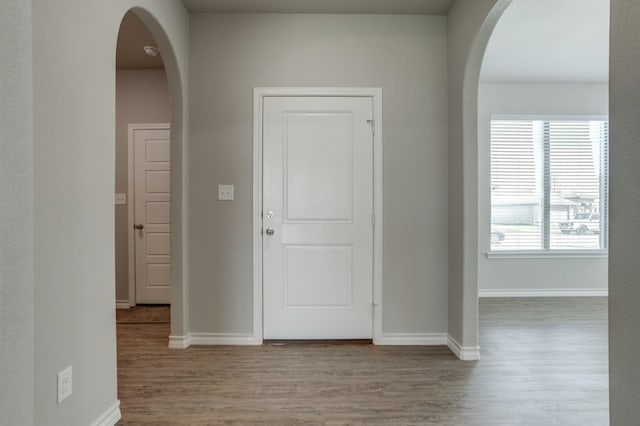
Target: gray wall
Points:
(470, 23)
(142, 96)
(74, 46)
(74, 120)
(513, 275)
(16, 215)
(406, 56)
(624, 268)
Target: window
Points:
(549, 184)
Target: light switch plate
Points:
(121, 198)
(225, 192)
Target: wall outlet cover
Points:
(65, 384)
(225, 192)
(121, 198)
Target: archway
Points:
(470, 26)
(548, 73)
(592, 103)
(176, 100)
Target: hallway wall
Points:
(16, 214)
(406, 56)
(74, 45)
(624, 268)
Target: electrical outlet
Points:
(121, 198)
(65, 384)
(225, 192)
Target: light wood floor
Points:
(544, 362)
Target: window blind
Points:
(549, 184)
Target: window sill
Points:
(547, 254)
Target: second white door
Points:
(152, 215)
(317, 217)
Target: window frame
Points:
(543, 253)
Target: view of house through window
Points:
(549, 184)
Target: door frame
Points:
(259, 93)
(131, 200)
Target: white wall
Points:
(406, 56)
(16, 215)
(529, 276)
(142, 96)
(74, 46)
(624, 267)
(530, 44)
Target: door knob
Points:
(139, 227)
(270, 231)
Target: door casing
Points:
(131, 204)
(259, 93)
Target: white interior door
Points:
(152, 212)
(317, 217)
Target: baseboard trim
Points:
(412, 339)
(201, 339)
(179, 342)
(549, 292)
(122, 304)
(388, 339)
(223, 339)
(465, 353)
(109, 417)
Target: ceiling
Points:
(395, 7)
(133, 36)
(550, 41)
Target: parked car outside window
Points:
(582, 223)
(497, 236)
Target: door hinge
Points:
(373, 309)
(373, 220)
(372, 123)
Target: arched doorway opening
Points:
(543, 107)
(537, 85)
(149, 101)
(151, 149)
(143, 257)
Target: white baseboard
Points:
(412, 339)
(122, 304)
(223, 339)
(547, 292)
(109, 417)
(179, 342)
(183, 342)
(399, 339)
(465, 353)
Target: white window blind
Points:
(549, 184)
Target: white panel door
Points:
(317, 218)
(152, 212)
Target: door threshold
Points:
(284, 342)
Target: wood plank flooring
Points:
(544, 362)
